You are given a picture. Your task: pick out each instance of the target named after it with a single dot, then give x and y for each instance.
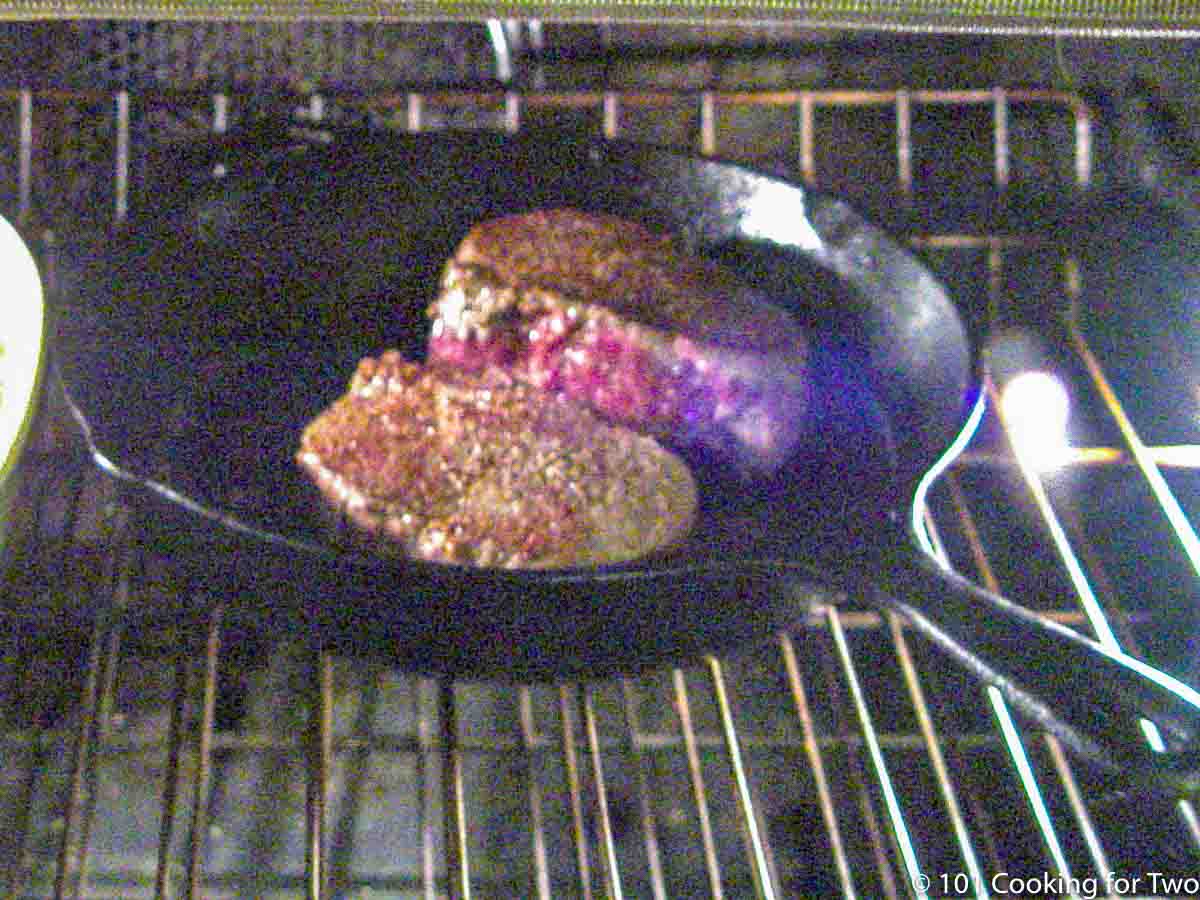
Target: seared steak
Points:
(474, 468)
(617, 318)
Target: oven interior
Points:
(846, 758)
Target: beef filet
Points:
(475, 468)
(617, 318)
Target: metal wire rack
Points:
(844, 759)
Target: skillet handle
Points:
(1071, 686)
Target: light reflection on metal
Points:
(1035, 407)
(571, 763)
(999, 705)
(1153, 736)
(25, 155)
(683, 709)
(501, 51)
(611, 113)
(812, 748)
(1176, 456)
(917, 512)
(904, 842)
(608, 850)
(1000, 136)
(1029, 780)
(220, 120)
(1188, 812)
(777, 214)
(904, 166)
(121, 176)
(756, 845)
(512, 112)
(1087, 597)
(536, 818)
(1087, 827)
(415, 112)
(936, 758)
(1154, 478)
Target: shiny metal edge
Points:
(1011, 17)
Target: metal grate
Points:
(845, 758)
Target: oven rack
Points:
(843, 759)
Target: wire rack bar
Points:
(262, 743)
(1187, 812)
(203, 756)
(1079, 807)
(318, 763)
(649, 97)
(24, 155)
(904, 152)
(683, 709)
(541, 865)
(1083, 588)
(1008, 728)
(571, 761)
(608, 851)
(938, 760)
(805, 124)
(512, 112)
(1174, 513)
(708, 123)
(1002, 714)
(891, 800)
(812, 749)
(761, 864)
(118, 569)
(1029, 780)
(1000, 136)
(986, 833)
(1174, 456)
(645, 97)
(11, 876)
(428, 789)
(1083, 143)
(856, 776)
(645, 807)
(121, 175)
(176, 730)
(37, 486)
(611, 115)
(454, 811)
(220, 113)
(68, 849)
(415, 112)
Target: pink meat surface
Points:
(616, 318)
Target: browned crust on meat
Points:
(480, 470)
(638, 275)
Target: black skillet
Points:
(196, 342)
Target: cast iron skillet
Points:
(196, 343)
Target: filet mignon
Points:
(478, 469)
(616, 317)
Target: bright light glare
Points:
(777, 213)
(20, 339)
(1035, 407)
